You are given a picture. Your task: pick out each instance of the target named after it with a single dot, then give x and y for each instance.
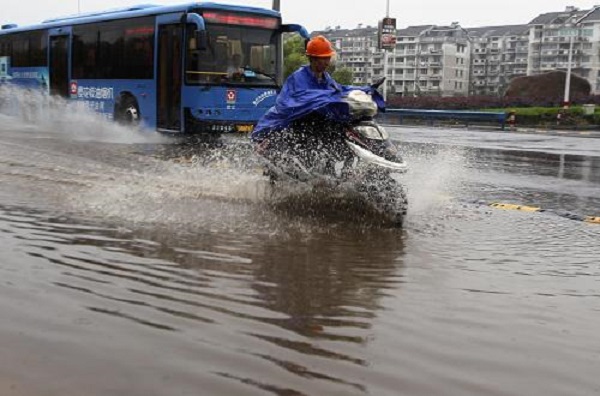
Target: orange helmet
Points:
(319, 47)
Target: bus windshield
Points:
(234, 55)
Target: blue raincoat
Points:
(303, 94)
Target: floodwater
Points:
(134, 265)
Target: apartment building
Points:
(431, 60)
(356, 50)
(427, 59)
(555, 35)
(498, 54)
(589, 57)
(451, 60)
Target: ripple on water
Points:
(150, 276)
(232, 294)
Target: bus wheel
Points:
(128, 112)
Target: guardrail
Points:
(466, 116)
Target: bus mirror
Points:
(201, 40)
(293, 28)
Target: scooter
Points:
(355, 152)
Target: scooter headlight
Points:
(372, 132)
(384, 134)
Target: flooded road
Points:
(127, 269)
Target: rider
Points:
(301, 89)
(309, 108)
(314, 75)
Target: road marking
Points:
(567, 215)
(522, 208)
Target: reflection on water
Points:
(556, 182)
(300, 296)
(308, 311)
(143, 269)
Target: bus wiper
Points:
(249, 72)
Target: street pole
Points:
(385, 57)
(277, 7)
(385, 60)
(79, 6)
(568, 76)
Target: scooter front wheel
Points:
(388, 197)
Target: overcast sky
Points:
(317, 14)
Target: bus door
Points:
(170, 53)
(59, 65)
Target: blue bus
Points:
(193, 68)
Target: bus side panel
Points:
(25, 77)
(102, 95)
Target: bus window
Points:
(114, 50)
(38, 48)
(27, 49)
(5, 47)
(255, 47)
(85, 47)
(20, 51)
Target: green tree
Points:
(343, 76)
(293, 53)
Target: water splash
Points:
(154, 178)
(36, 113)
(434, 177)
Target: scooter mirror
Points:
(377, 83)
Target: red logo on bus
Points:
(74, 88)
(231, 96)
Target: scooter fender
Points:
(371, 158)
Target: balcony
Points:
(434, 39)
(565, 65)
